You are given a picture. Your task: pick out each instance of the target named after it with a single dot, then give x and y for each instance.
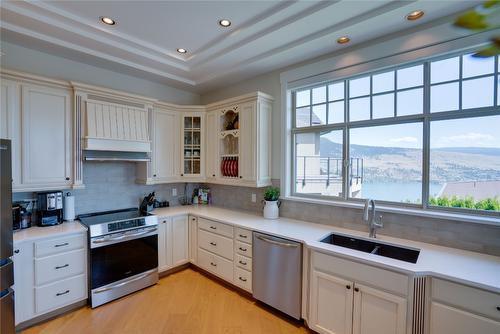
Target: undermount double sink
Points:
(373, 247)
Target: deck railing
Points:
(330, 170)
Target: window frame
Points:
(426, 117)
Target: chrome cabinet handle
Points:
(242, 279)
(242, 249)
(62, 293)
(213, 264)
(243, 263)
(278, 243)
(64, 266)
(213, 243)
(243, 236)
(61, 245)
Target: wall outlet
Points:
(174, 191)
(254, 198)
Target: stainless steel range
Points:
(123, 247)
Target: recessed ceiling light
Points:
(225, 23)
(415, 15)
(107, 20)
(343, 40)
(181, 50)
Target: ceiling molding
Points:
(263, 40)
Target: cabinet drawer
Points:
(243, 279)
(216, 244)
(465, 297)
(215, 227)
(59, 266)
(243, 249)
(59, 245)
(243, 262)
(243, 235)
(60, 293)
(376, 277)
(215, 264)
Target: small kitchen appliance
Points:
(50, 208)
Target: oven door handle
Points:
(123, 236)
(111, 287)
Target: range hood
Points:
(94, 155)
(115, 130)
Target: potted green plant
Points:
(271, 202)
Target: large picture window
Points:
(425, 135)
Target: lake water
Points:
(397, 192)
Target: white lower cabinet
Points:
(461, 309)
(331, 304)
(48, 279)
(339, 304)
(173, 242)
(193, 239)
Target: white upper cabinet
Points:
(193, 146)
(241, 154)
(166, 137)
(47, 138)
(10, 124)
(212, 147)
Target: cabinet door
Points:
(47, 129)
(248, 141)
(212, 141)
(193, 147)
(166, 146)
(193, 239)
(449, 320)
(331, 304)
(180, 241)
(10, 122)
(23, 282)
(164, 244)
(378, 312)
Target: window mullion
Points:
(345, 150)
(426, 136)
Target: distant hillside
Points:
(397, 164)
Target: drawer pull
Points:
(60, 267)
(242, 249)
(213, 243)
(498, 308)
(62, 245)
(16, 251)
(213, 264)
(213, 227)
(242, 279)
(243, 236)
(348, 287)
(62, 293)
(356, 289)
(243, 263)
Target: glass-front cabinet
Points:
(192, 145)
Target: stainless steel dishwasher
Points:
(277, 273)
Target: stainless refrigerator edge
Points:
(6, 265)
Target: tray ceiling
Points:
(263, 36)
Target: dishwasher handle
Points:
(277, 242)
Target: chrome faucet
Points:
(372, 223)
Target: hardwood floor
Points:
(186, 302)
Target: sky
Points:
(476, 93)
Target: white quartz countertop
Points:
(461, 266)
(37, 232)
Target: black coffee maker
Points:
(50, 208)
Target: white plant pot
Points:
(271, 209)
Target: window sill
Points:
(486, 220)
